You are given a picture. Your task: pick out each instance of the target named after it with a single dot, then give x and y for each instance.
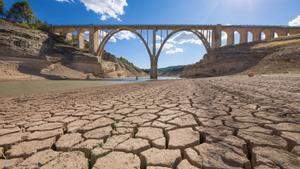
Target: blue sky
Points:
(259, 12)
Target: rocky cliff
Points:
(277, 56)
(36, 53)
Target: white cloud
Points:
(185, 38)
(182, 38)
(65, 1)
(295, 22)
(174, 50)
(123, 35)
(106, 8)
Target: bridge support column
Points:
(216, 37)
(243, 36)
(69, 36)
(153, 70)
(256, 35)
(230, 38)
(94, 40)
(269, 35)
(281, 33)
(294, 31)
(153, 58)
(80, 39)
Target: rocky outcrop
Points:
(37, 53)
(277, 56)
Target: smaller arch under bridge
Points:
(154, 37)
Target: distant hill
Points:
(171, 71)
(281, 55)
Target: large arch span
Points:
(106, 39)
(195, 32)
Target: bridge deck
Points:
(170, 26)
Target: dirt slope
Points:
(277, 56)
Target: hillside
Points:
(171, 71)
(33, 54)
(269, 57)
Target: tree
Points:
(21, 12)
(1, 8)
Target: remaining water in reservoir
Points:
(18, 88)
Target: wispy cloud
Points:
(105, 8)
(295, 22)
(64, 0)
(174, 50)
(123, 35)
(182, 38)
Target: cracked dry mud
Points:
(229, 122)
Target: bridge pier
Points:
(94, 40)
(68, 36)
(153, 69)
(230, 37)
(217, 37)
(243, 36)
(153, 58)
(269, 34)
(80, 37)
(256, 35)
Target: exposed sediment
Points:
(228, 122)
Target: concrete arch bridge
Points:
(210, 35)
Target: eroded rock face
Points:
(185, 124)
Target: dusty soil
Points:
(227, 122)
(10, 71)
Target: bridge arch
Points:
(105, 40)
(237, 37)
(250, 36)
(195, 32)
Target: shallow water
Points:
(19, 88)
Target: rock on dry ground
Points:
(228, 122)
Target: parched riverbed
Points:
(226, 122)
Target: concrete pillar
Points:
(281, 33)
(230, 37)
(153, 70)
(80, 39)
(294, 31)
(256, 35)
(69, 36)
(94, 40)
(216, 37)
(153, 58)
(269, 34)
(243, 36)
